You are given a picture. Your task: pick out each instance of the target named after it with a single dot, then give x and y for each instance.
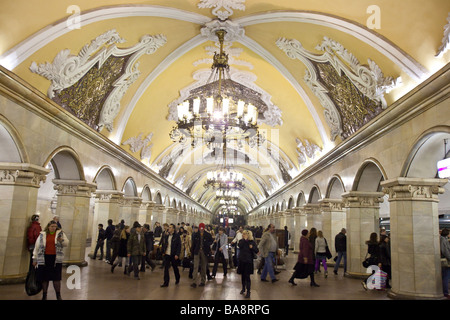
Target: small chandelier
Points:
(220, 111)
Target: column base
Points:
(403, 296)
(82, 263)
(14, 279)
(357, 275)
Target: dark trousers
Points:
(167, 262)
(217, 258)
(148, 260)
(135, 261)
(99, 246)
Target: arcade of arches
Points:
(89, 156)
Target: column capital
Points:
(22, 174)
(108, 195)
(311, 208)
(417, 189)
(331, 204)
(147, 204)
(362, 199)
(78, 188)
(130, 201)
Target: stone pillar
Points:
(313, 216)
(19, 185)
(289, 222)
(146, 213)
(299, 225)
(106, 207)
(157, 212)
(73, 197)
(333, 220)
(415, 246)
(129, 209)
(362, 218)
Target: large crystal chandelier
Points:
(220, 111)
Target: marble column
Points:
(313, 216)
(289, 222)
(73, 197)
(19, 185)
(415, 247)
(146, 213)
(106, 207)
(333, 220)
(157, 212)
(362, 218)
(129, 209)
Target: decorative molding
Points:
(369, 80)
(22, 174)
(445, 40)
(401, 189)
(307, 150)
(234, 31)
(137, 143)
(74, 188)
(67, 69)
(227, 5)
(362, 199)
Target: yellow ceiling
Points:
(412, 27)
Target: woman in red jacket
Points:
(305, 263)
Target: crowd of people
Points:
(194, 247)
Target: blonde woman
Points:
(320, 250)
(247, 251)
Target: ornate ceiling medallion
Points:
(227, 5)
(91, 84)
(351, 93)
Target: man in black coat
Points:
(201, 250)
(340, 244)
(171, 249)
(100, 242)
(149, 243)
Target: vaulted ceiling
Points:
(326, 68)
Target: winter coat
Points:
(265, 243)
(206, 245)
(185, 246)
(39, 248)
(340, 242)
(123, 246)
(385, 254)
(33, 233)
(245, 253)
(223, 244)
(175, 247)
(305, 251)
(136, 246)
(320, 245)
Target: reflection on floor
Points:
(98, 283)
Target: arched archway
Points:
(335, 188)
(314, 195)
(300, 199)
(105, 179)
(369, 176)
(11, 147)
(129, 188)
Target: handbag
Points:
(366, 262)
(32, 285)
(327, 251)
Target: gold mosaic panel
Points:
(353, 106)
(85, 98)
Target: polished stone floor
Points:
(98, 283)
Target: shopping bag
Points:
(32, 285)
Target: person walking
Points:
(221, 252)
(321, 252)
(48, 255)
(268, 247)
(157, 231)
(100, 242)
(235, 241)
(340, 245)
(248, 250)
(201, 250)
(305, 262)
(122, 253)
(33, 232)
(445, 260)
(373, 250)
(115, 244)
(385, 257)
(109, 232)
(149, 243)
(136, 249)
(185, 255)
(171, 252)
(287, 240)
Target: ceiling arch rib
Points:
(19, 53)
(413, 68)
